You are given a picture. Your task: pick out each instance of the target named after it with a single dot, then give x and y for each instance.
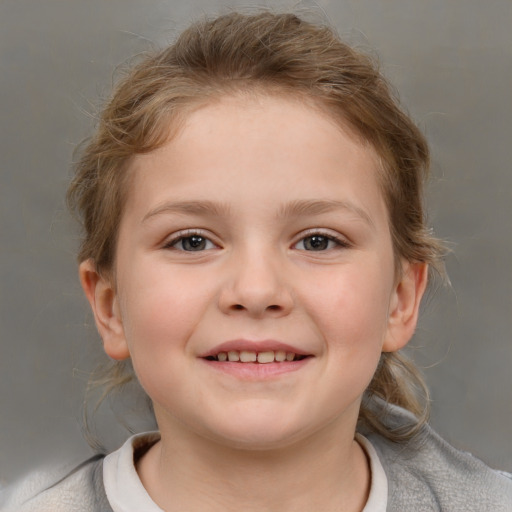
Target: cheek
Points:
(157, 325)
(350, 308)
(160, 310)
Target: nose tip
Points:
(257, 289)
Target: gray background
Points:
(451, 60)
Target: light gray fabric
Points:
(428, 474)
(60, 490)
(425, 475)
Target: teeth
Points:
(280, 355)
(234, 355)
(248, 356)
(266, 357)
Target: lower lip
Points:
(257, 371)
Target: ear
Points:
(104, 304)
(405, 305)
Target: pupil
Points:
(316, 243)
(194, 243)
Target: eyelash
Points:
(341, 242)
(189, 234)
(184, 235)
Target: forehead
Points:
(240, 146)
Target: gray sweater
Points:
(425, 475)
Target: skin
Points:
(244, 166)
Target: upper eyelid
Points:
(340, 241)
(185, 233)
(332, 234)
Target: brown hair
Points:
(276, 54)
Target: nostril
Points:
(272, 307)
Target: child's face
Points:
(260, 227)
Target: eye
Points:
(320, 242)
(191, 243)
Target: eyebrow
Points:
(318, 206)
(189, 207)
(298, 208)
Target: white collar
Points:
(126, 493)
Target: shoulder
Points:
(427, 473)
(79, 488)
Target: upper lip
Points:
(253, 346)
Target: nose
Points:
(256, 286)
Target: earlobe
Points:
(103, 300)
(404, 306)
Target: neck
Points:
(326, 471)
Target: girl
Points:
(255, 248)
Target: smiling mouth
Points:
(248, 356)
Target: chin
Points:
(258, 433)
